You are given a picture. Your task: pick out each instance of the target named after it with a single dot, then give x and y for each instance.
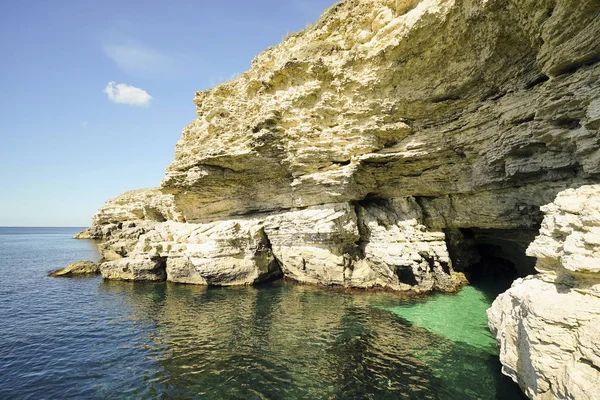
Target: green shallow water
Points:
(459, 317)
(86, 338)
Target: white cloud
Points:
(83, 124)
(134, 57)
(126, 94)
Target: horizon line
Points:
(43, 226)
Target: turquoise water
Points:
(459, 318)
(85, 338)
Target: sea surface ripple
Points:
(86, 338)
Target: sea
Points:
(85, 338)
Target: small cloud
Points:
(123, 93)
(134, 57)
(83, 124)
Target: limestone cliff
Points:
(466, 105)
(548, 324)
(395, 144)
(360, 151)
(123, 220)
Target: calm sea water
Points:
(84, 338)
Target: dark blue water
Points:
(85, 338)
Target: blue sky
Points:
(71, 139)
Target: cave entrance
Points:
(491, 254)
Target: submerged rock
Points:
(77, 268)
(548, 325)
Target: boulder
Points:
(547, 325)
(77, 268)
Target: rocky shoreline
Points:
(399, 144)
(361, 247)
(547, 324)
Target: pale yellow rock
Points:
(122, 220)
(232, 252)
(547, 325)
(319, 245)
(77, 268)
(401, 252)
(569, 242)
(134, 269)
(452, 114)
(314, 245)
(484, 103)
(143, 204)
(548, 335)
(480, 111)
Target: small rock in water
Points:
(78, 268)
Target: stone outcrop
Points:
(77, 268)
(219, 253)
(484, 110)
(348, 153)
(397, 144)
(135, 269)
(399, 251)
(149, 205)
(361, 246)
(120, 223)
(547, 325)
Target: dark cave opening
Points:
(406, 275)
(160, 268)
(491, 254)
(493, 265)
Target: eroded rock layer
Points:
(547, 325)
(395, 144)
(358, 151)
(370, 244)
(467, 105)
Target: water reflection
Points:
(290, 341)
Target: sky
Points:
(94, 94)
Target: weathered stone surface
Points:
(548, 325)
(568, 246)
(135, 269)
(84, 234)
(77, 268)
(120, 223)
(314, 245)
(330, 244)
(481, 111)
(345, 152)
(485, 110)
(231, 252)
(548, 335)
(142, 204)
(399, 252)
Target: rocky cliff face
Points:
(359, 151)
(465, 105)
(123, 220)
(547, 324)
(395, 143)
